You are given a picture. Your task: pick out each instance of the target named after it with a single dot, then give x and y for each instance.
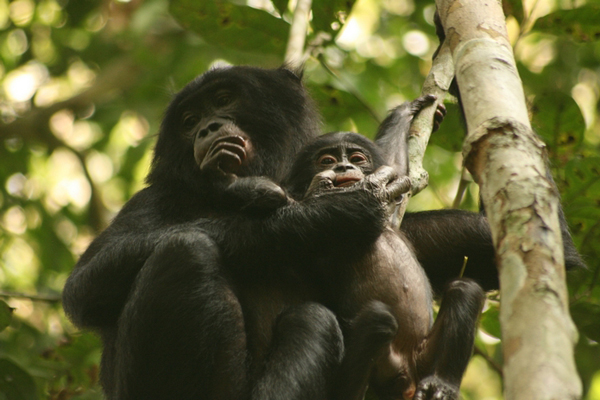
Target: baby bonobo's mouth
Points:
(347, 179)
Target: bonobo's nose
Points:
(215, 126)
(343, 167)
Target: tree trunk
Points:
(508, 161)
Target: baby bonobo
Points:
(379, 292)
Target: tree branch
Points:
(56, 298)
(294, 54)
(437, 83)
(119, 75)
(507, 160)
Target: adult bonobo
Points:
(176, 320)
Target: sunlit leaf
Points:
(490, 321)
(579, 24)
(5, 315)
(327, 12)
(15, 382)
(225, 24)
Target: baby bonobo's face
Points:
(349, 161)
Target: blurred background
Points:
(83, 86)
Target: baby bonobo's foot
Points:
(435, 388)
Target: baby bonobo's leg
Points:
(447, 349)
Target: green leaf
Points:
(280, 5)
(15, 382)
(587, 319)
(451, 134)
(558, 119)
(222, 23)
(514, 8)
(580, 24)
(490, 321)
(583, 178)
(5, 315)
(326, 12)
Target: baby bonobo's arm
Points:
(392, 135)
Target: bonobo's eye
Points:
(358, 158)
(189, 121)
(223, 98)
(327, 159)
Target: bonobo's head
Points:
(255, 119)
(350, 155)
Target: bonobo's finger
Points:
(398, 187)
(383, 175)
(438, 117)
(234, 139)
(421, 102)
(322, 181)
(224, 160)
(234, 144)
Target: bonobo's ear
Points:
(295, 72)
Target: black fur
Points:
(182, 317)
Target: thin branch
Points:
(465, 179)
(50, 298)
(119, 75)
(294, 54)
(492, 363)
(437, 83)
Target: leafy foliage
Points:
(83, 85)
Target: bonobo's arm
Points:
(328, 219)
(392, 135)
(442, 238)
(99, 285)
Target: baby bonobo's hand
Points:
(384, 184)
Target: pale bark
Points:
(507, 160)
(294, 54)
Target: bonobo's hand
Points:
(435, 388)
(225, 156)
(384, 184)
(255, 194)
(322, 183)
(421, 102)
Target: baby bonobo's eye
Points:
(358, 158)
(327, 159)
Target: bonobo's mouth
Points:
(344, 181)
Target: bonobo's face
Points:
(350, 162)
(244, 121)
(350, 155)
(208, 118)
